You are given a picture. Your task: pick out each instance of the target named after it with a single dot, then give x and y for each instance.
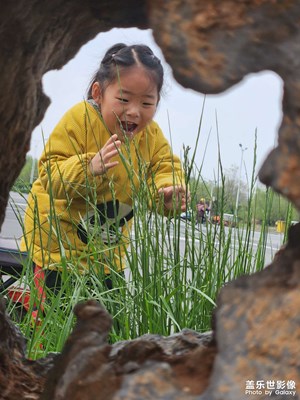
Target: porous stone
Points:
(20, 378)
(150, 367)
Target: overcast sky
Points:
(253, 104)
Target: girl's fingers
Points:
(111, 164)
(101, 162)
(106, 157)
(110, 149)
(177, 193)
(113, 137)
(170, 191)
(113, 141)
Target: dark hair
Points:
(121, 56)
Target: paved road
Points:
(273, 242)
(11, 231)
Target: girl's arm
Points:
(64, 167)
(67, 176)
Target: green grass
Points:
(174, 269)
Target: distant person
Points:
(203, 211)
(85, 176)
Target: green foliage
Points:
(279, 207)
(28, 174)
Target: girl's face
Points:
(129, 103)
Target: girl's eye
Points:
(122, 100)
(148, 104)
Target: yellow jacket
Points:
(88, 218)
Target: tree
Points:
(28, 174)
(273, 206)
(229, 188)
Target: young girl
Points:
(91, 163)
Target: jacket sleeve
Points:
(64, 165)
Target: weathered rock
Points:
(178, 343)
(82, 370)
(88, 368)
(20, 378)
(151, 367)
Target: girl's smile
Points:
(129, 103)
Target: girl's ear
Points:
(96, 92)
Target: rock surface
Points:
(210, 45)
(20, 378)
(151, 367)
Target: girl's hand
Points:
(101, 162)
(175, 197)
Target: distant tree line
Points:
(262, 203)
(27, 176)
